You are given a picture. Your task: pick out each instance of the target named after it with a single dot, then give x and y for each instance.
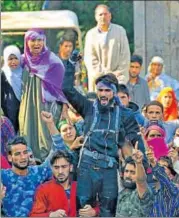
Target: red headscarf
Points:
(170, 113)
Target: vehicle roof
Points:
(63, 19)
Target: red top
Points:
(50, 197)
(4, 163)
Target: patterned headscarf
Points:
(170, 113)
(47, 66)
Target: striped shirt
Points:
(166, 200)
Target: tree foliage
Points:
(122, 13)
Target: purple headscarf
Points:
(47, 66)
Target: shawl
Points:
(46, 66)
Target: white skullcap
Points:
(157, 59)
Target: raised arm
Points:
(159, 172)
(132, 129)
(141, 179)
(78, 101)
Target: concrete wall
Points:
(156, 32)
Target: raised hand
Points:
(77, 143)
(64, 114)
(150, 156)
(142, 133)
(46, 117)
(137, 155)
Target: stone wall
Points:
(156, 32)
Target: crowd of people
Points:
(109, 149)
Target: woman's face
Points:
(156, 68)
(35, 46)
(154, 134)
(166, 100)
(13, 62)
(68, 133)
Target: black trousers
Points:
(93, 180)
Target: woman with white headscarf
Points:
(157, 79)
(11, 84)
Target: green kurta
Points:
(32, 127)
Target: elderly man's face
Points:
(156, 68)
(102, 16)
(104, 95)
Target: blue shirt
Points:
(166, 200)
(20, 190)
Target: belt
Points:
(98, 156)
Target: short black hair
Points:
(123, 88)
(66, 39)
(15, 141)
(169, 162)
(61, 154)
(137, 58)
(109, 78)
(156, 103)
(130, 161)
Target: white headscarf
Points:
(156, 59)
(14, 76)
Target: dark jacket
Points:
(138, 116)
(9, 103)
(127, 125)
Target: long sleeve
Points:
(78, 101)
(39, 206)
(48, 198)
(92, 62)
(44, 168)
(90, 56)
(147, 93)
(165, 182)
(124, 56)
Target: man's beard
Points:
(128, 183)
(20, 167)
(63, 180)
(133, 76)
(104, 107)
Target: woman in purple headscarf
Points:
(42, 79)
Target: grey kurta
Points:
(32, 127)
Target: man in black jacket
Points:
(107, 125)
